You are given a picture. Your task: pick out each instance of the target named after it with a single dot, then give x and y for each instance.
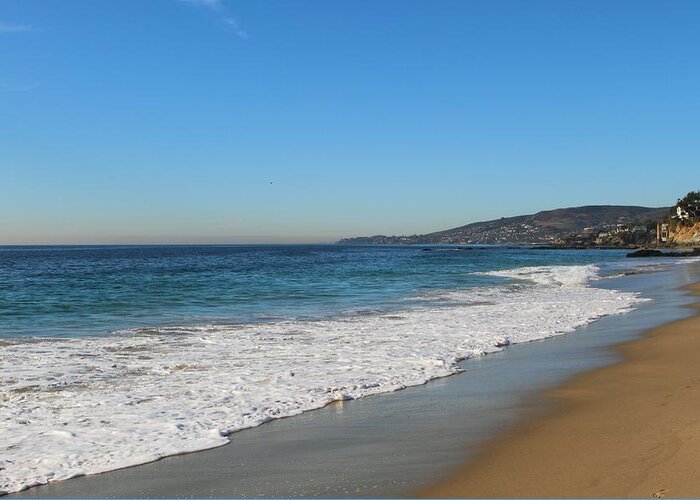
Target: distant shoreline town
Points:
(595, 226)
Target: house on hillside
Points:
(688, 207)
(682, 213)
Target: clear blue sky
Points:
(232, 121)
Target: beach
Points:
(626, 430)
(402, 443)
(330, 250)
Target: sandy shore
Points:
(627, 430)
(392, 445)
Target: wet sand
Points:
(631, 429)
(394, 444)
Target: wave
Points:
(570, 276)
(89, 405)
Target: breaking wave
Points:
(87, 405)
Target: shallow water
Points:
(389, 445)
(122, 389)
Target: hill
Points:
(550, 226)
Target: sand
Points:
(631, 429)
(391, 445)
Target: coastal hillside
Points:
(549, 226)
(684, 234)
(683, 226)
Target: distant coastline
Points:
(593, 226)
(610, 225)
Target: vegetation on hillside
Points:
(687, 209)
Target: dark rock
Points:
(646, 253)
(658, 253)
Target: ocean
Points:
(117, 356)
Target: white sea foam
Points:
(89, 405)
(569, 276)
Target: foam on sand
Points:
(88, 405)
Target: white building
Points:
(682, 213)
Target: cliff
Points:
(684, 233)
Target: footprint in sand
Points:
(660, 494)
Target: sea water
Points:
(116, 356)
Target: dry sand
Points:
(627, 430)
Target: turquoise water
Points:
(77, 291)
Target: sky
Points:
(222, 121)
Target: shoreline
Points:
(398, 443)
(629, 429)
